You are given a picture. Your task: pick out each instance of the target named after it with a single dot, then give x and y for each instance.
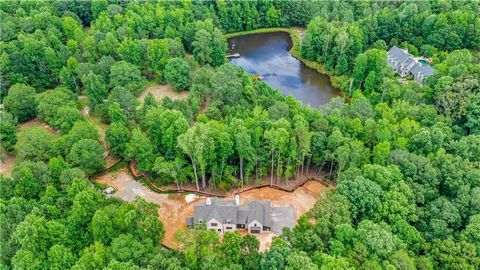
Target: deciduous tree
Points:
(88, 155)
(20, 102)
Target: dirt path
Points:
(174, 208)
(7, 165)
(159, 91)
(97, 123)
(100, 126)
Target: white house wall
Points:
(217, 227)
(229, 227)
(255, 223)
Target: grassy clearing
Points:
(295, 35)
(93, 120)
(36, 123)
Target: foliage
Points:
(8, 130)
(117, 135)
(124, 74)
(34, 144)
(58, 108)
(178, 73)
(209, 47)
(87, 154)
(20, 102)
(404, 157)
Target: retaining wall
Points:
(137, 174)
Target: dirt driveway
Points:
(174, 208)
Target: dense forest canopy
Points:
(405, 157)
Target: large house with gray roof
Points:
(406, 64)
(228, 215)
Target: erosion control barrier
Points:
(102, 171)
(137, 174)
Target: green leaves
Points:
(140, 149)
(209, 47)
(117, 136)
(8, 130)
(34, 144)
(178, 73)
(124, 74)
(20, 102)
(58, 107)
(88, 155)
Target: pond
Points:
(267, 56)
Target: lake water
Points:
(267, 55)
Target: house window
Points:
(228, 228)
(219, 230)
(213, 224)
(255, 231)
(228, 221)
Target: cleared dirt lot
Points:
(174, 208)
(159, 91)
(7, 165)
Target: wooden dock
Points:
(235, 55)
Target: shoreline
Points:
(294, 51)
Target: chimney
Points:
(209, 201)
(237, 199)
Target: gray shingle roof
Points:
(242, 217)
(405, 63)
(260, 211)
(423, 69)
(408, 62)
(220, 210)
(398, 54)
(226, 210)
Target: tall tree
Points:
(178, 73)
(34, 144)
(20, 102)
(140, 149)
(88, 155)
(198, 144)
(242, 144)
